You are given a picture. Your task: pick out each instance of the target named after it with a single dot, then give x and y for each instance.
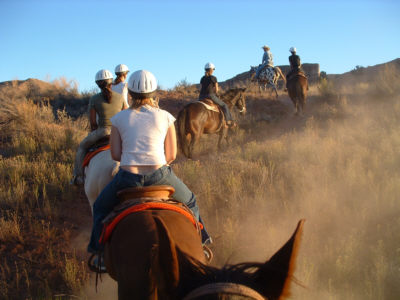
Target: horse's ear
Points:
(167, 255)
(274, 277)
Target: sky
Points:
(175, 39)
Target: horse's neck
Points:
(230, 100)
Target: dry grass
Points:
(37, 148)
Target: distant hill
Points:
(367, 74)
(60, 94)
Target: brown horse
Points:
(158, 255)
(297, 86)
(195, 119)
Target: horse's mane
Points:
(193, 273)
(230, 94)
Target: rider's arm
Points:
(216, 88)
(92, 119)
(115, 144)
(170, 146)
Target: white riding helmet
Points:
(209, 65)
(292, 49)
(121, 68)
(142, 82)
(103, 74)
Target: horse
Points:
(98, 173)
(297, 87)
(195, 119)
(269, 76)
(157, 254)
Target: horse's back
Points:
(297, 87)
(140, 229)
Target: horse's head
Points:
(241, 102)
(259, 281)
(236, 97)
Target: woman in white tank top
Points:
(143, 139)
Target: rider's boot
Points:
(77, 180)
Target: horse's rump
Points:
(144, 204)
(92, 153)
(135, 252)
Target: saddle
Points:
(210, 105)
(145, 198)
(297, 73)
(102, 144)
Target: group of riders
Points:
(142, 137)
(267, 62)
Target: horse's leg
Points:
(296, 105)
(222, 134)
(276, 92)
(193, 142)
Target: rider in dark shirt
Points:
(295, 63)
(209, 90)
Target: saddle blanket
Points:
(208, 106)
(109, 227)
(91, 154)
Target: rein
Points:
(224, 287)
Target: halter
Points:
(224, 287)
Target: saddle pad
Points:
(108, 228)
(91, 154)
(209, 107)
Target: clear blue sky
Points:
(174, 39)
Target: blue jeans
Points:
(259, 69)
(107, 199)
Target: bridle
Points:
(226, 288)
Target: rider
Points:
(209, 90)
(143, 139)
(295, 63)
(103, 105)
(119, 85)
(267, 60)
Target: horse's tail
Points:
(181, 127)
(279, 72)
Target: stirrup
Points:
(208, 253)
(95, 264)
(77, 180)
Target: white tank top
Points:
(121, 88)
(143, 134)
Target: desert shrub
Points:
(326, 88)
